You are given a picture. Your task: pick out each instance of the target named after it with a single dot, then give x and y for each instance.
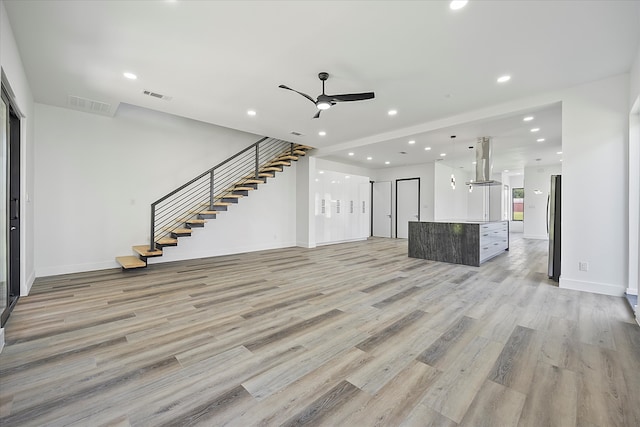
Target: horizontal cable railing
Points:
(170, 213)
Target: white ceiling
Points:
(217, 59)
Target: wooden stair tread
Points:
(271, 169)
(287, 157)
(302, 147)
(279, 162)
(194, 221)
(232, 196)
(299, 152)
(181, 230)
(130, 261)
(222, 204)
(266, 175)
(205, 212)
(240, 188)
(252, 181)
(167, 241)
(144, 251)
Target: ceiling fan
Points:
(324, 102)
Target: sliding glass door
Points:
(4, 218)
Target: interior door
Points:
(382, 209)
(407, 205)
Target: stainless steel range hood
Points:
(484, 163)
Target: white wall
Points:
(634, 180)
(453, 204)
(426, 174)
(11, 64)
(535, 205)
(594, 186)
(96, 177)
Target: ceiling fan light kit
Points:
(324, 101)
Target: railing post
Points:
(292, 148)
(152, 235)
(211, 192)
(257, 159)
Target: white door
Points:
(382, 209)
(408, 205)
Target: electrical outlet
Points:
(583, 266)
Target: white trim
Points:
(535, 236)
(77, 268)
(208, 254)
(359, 239)
(1, 339)
(596, 288)
(630, 291)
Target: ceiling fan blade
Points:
(301, 93)
(317, 116)
(352, 96)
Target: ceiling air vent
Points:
(157, 95)
(296, 133)
(88, 105)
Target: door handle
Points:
(12, 228)
(16, 208)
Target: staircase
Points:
(191, 205)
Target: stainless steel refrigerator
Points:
(553, 226)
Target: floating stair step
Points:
(222, 204)
(181, 232)
(280, 163)
(166, 241)
(289, 157)
(232, 196)
(207, 214)
(143, 250)
(252, 181)
(130, 262)
(243, 188)
(195, 222)
(243, 193)
(271, 169)
(299, 152)
(302, 147)
(265, 175)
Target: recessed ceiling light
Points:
(412, 142)
(540, 140)
(392, 112)
(129, 75)
(427, 148)
(322, 133)
(535, 129)
(369, 158)
(387, 162)
(321, 172)
(504, 79)
(457, 4)
(251, 112)
(506, 170)
(474, 163)
(443, 154)
(559, 152)
(351, 154)
(527, 119)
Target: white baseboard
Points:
(29, 283)
(536, 236)
(187, 255)
(76, 268)
(596, 288)
(630, 291)
(358, 239)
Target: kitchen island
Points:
(468, 243)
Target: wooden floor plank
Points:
(349, 334)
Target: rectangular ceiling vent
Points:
(88, 105)
(296, 133)
(157, 95)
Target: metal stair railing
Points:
(170, 213)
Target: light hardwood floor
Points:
(354, 334)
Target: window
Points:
(517, 204)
